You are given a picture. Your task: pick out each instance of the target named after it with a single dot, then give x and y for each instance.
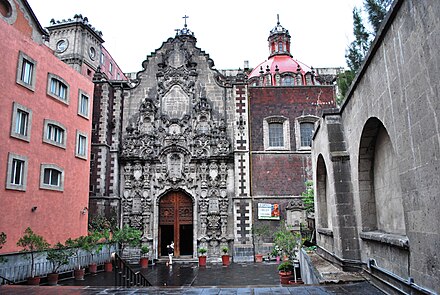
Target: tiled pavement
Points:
(249, 278)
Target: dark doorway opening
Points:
(166, 236)
(186, 239)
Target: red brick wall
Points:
(290, 102)
(280, 174)
(275, 173)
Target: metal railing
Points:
(126, 277)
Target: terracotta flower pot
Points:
(143, 262)
(202, 260)
(258, 257)
(33, 280)
(52, 279)
(285, 277)
(93, 268)
(225, 260)
(108, 267)
(79, 274)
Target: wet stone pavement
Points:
(188, 278)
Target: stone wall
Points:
(395, 93)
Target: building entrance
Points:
(176, 223)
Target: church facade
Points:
(172, 149)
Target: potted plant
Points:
(259, 233)
(276, 251)
(202, 257)
(58, 255)
(285, 271)
(225, 256)
(32, 243)
(108, 237)
(77, 245)
(93, 246)
(144, 258)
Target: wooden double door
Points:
(176, 223)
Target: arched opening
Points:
(5, 8)
(379, 183)
(322, 193)
(176, 223)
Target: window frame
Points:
(80, 134)
(300, 120)
(16, 107)
(48, 122)
(286, 133)
(46, 186)
(82, 93)
(22, 59)
(9, 184)
(52, 77)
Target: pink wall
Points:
(58, 215)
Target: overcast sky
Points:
(230, 31)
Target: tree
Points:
(308, 197)
(31, 243)
(58, 256)
(3, 237)
(358, 48)
(377, 10)
(127, 236)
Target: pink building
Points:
(46, 120)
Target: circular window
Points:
(92, 53)
(62, 45)
(5, 8)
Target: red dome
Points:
(285, 63)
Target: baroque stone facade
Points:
(177, 138)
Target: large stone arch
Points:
(379, 183)
(322, 194)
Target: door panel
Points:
(176, 210)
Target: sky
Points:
(230, 31)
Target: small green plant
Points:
(285, 266)
(144, 250)
(32, 243)
(225, 250)
(58, 255)
(202, 251)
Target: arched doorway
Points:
(176, 223)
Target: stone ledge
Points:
(386, 238)
(325, 231)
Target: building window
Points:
(110, 68)
(83, 105)
(118, 76)
(81, 145)
(54, 133)
(304, 129)
(102, 59)
(17, 172)
(21, 122)
(276, 134)
(26, 71)
(58, 88)
(51, 177)
(280, 46)
(287, 81)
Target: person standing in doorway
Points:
(170, 249)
